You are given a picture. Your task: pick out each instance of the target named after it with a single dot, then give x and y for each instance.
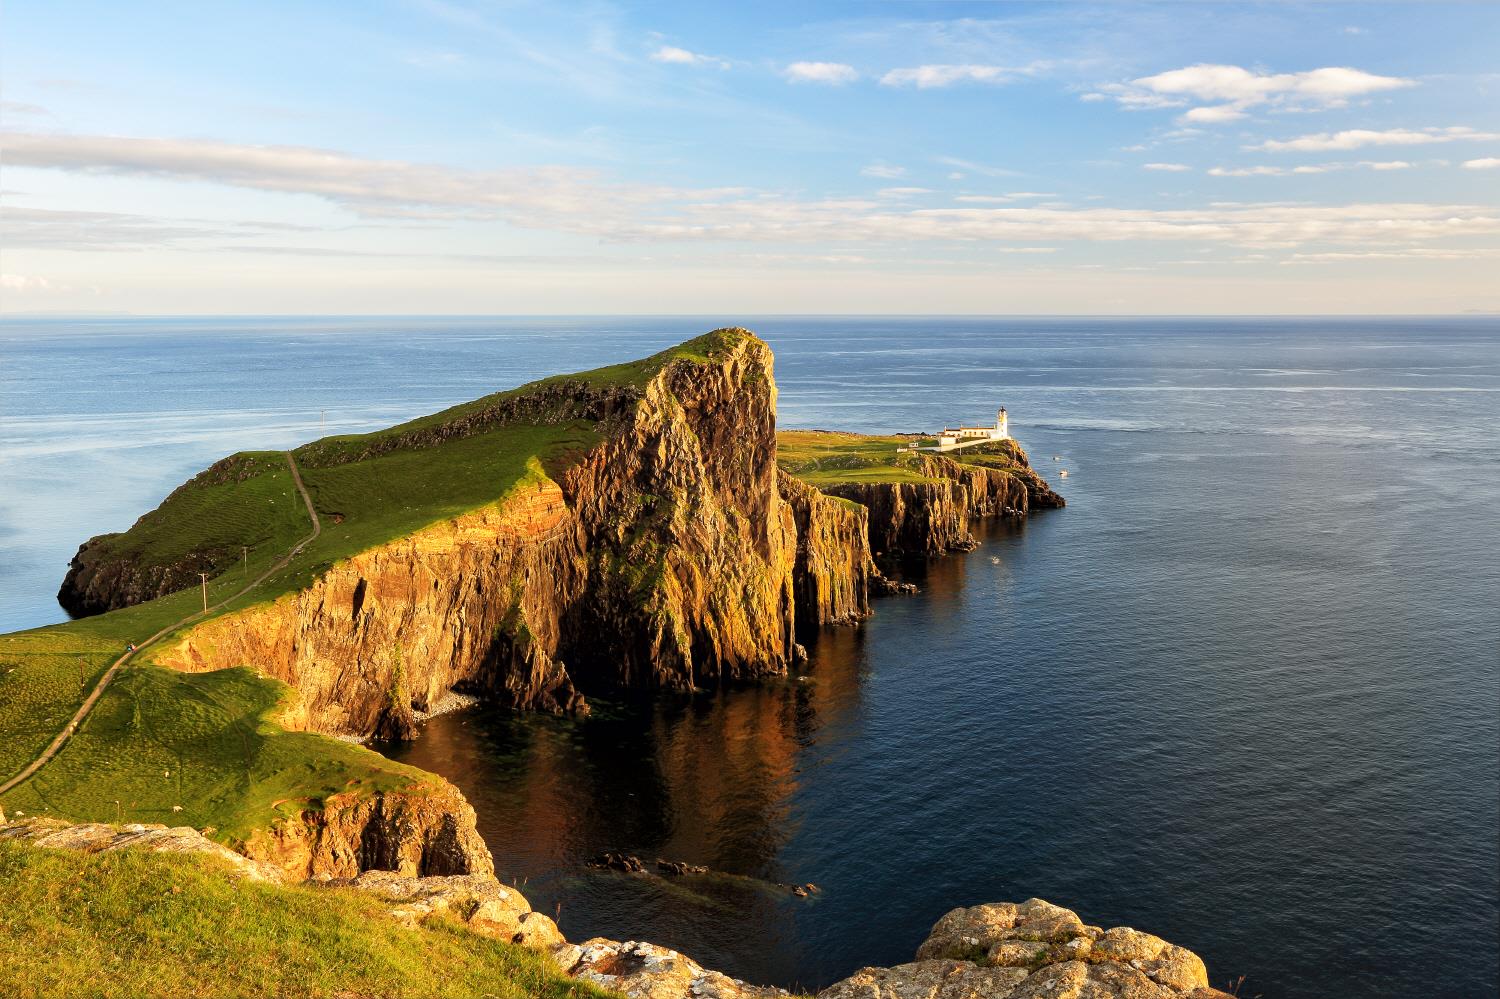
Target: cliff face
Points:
(934, 517)
(416, 834)
(667, 552)
(834, 574)
(662, 558)
(99, 580)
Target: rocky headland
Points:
(670, 554)
(653, 533)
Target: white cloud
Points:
(1487, 163)
(682, 57)
(1167, 167)
(1280, 171)
(821, 72)
(902, 192)
(1410, 253)
(1211, 115)
(943, 75)
(1357, 138)
(1264, 171)
(884, 171)
(581, 203)
(1226, 92)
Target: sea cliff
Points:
(662, 549)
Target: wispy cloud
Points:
(1227, 92)
(1167, 167)
(673, 55)
(1487, 163)
(947, 74)
(1358, 138)
(821, 72)
(884, 171)
(969, 166)
(580, 202)
(1264, 170)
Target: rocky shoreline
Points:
(1004, 950)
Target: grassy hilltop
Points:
(205, 749)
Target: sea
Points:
(1242, 693)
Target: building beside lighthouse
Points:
(953, 437)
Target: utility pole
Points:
(322, 421)
(204, 576)
(245, 560)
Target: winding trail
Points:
(109, 674)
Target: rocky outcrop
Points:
(935, 516)
(660, 559)
(480, 902)
(477, 900)
(100, 580)
(912, 518)
(418, 833)
(99, 837)
(109, 572)
(834, 575)
(1033, 950)
(645, 971)
(1030, 950)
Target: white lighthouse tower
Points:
(1002, 425)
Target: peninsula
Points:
(638, 527)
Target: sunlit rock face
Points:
(663, 558)
(1031, 950)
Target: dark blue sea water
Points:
(1244, 692)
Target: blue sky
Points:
(433, 156)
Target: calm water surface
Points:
(1244, 692)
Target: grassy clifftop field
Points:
(207, 749)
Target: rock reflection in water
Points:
(710, 780)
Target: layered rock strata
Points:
(672, 554)
(662, 558)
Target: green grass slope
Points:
(137, 925)
(200, 749)
(823, 458)
(206, 744)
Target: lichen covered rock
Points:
(646, 971)
(1031, 950)
(100, 837)
(482, 903)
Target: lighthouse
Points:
(1002, 425)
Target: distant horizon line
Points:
(62, 314)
